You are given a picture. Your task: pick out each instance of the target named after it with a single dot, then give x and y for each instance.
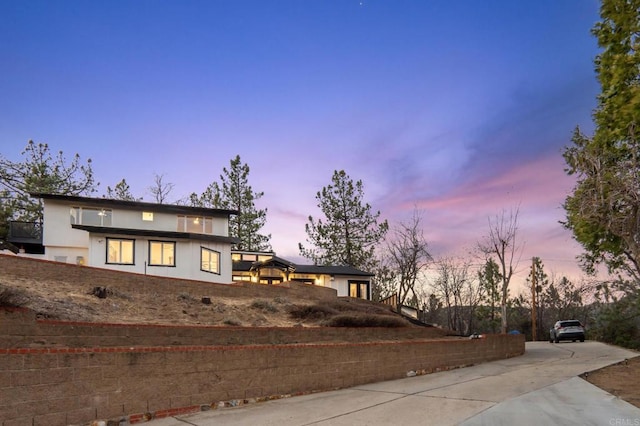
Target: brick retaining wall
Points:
(20, 329)
(58, 373)
(58, 385)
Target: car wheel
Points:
(582, 340)
(574, 340)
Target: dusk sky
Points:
(458, 108)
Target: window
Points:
(162, 253)
(241, 278)
(209, 260)
(270, 280)
(147, 216)
(359, 289)
(195, 224)
(89, 216)
(120, 251)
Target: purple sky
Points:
(460, 108)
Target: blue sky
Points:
(458, 108)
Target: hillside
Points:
(68, 292)
(76, 293)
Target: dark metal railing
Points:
(25, 232)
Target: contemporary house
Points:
(267, 268)
(147, 238)
(163, 240)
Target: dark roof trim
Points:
(159, 234)
(137, 205)
(246, 266)
(274, 262)
(331, 270)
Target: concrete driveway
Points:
(540, 387)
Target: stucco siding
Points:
(65, 244)
(187, 259)
(57, 227)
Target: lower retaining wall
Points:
(21, 330)
(62, 386)
(54, 373)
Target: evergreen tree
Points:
(489, 280)
(5, 213)
(40, 172)
(603, 212)
(121, 191)
(234, 193)
(350, 232)
(538, 273)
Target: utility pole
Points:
(534, 328)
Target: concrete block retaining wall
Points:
(64, 385)
(58, 373)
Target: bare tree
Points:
(473, 294)
(160, 190)
(408, 257)
(383, 284)
(453, 285)
(501, 243)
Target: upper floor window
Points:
(90, 216)
(195, 224)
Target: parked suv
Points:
(566, 330)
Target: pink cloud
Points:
(456, 221)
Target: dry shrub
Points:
(281, 300)
(186, 297)
(312, 312)
(11, 298)
(349, 304)
(365, 320)
(264, 306)
(232, 322)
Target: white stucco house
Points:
(138, 237)
(164, 240)
(267, 268)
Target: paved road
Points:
(540, 387)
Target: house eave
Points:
(157, 234)
(137, 205)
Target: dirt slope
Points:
(120, 302)
(73, 293)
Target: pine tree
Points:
(234, 193)
(490, 279)
(350, 232)
(603, 212)
(121, 191)
(39, 172)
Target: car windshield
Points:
(570, 324)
